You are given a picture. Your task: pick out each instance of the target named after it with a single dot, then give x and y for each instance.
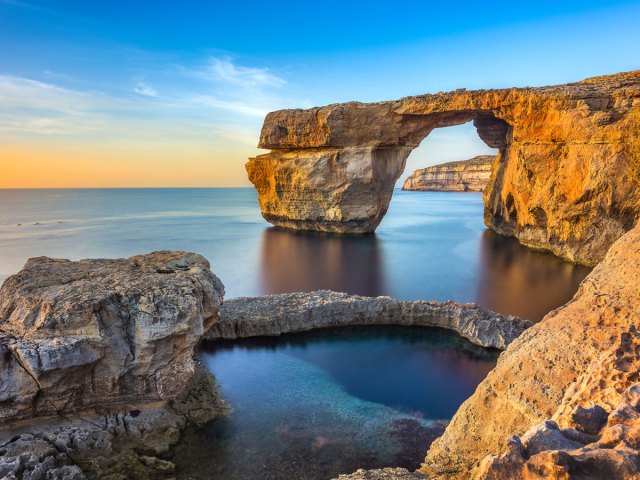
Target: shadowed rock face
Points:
(471, 175)
(564, 179)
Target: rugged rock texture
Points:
(100, 332)
(109, 444)
(606, 449)
(383, 474)
(585, 353)
(564, 179)
(464, 176)
(97, 374)
(297, 312)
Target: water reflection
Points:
(516, 280)
(305, 261)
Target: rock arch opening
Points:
(449, 159)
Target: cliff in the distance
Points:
(463, 176)
(565, 179)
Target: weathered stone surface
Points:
(383, 474)
(114, 444)
(297, 312)
(566, 178)
(548, 452)
(93, 333)
(464, 176)
(585, 353)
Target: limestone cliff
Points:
(565, 178)
(580, 355)
(464, 176)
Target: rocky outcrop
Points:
(97, 375)
(297, 312)
(564, 179)
(594, 445)
(100, 332)
(116, 444)
(583, 354)
(383, 474)
(464, 176)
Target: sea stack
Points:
(462, 176)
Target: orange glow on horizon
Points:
(117, 166)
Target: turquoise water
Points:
(314, 405)
(431, 245)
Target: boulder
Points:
(97, 333)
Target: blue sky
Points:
(160, 89)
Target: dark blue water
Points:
(431, 245)
(313, 405)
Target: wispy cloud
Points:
(204, 103)
(226, 71)
(145, 90)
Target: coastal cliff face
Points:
(464, 176)
(565, 179)
(580, 355)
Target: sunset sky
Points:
(126, 94)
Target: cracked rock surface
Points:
(75, 335)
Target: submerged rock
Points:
(463, 176)
(297, 312)
(583, 354)
(565, 180)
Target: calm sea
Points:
(310, 406)
(431, 245)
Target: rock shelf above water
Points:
(297, 312)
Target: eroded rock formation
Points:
(97, 332)
(464, 176)
(298, 312)
(596, 444)
(564, 179)
(97, 374)
(583, 354)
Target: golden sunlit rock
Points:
(563, 180)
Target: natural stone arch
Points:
(561, 181)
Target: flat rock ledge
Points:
(273, 315)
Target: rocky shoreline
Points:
(98, 373)
(272, 315)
